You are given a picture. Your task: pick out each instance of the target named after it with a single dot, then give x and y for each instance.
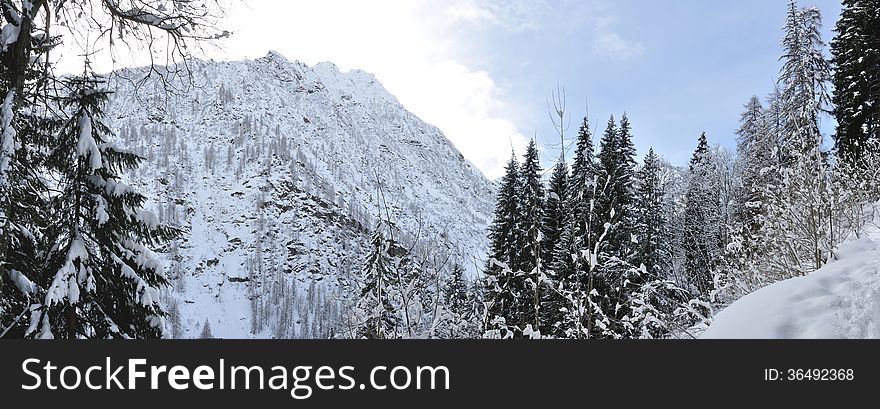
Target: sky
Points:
(483, 70)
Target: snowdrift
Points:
(840, 300)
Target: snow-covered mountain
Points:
(275, 172)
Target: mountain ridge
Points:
(273, 170)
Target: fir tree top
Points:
(701, 153)
(608, 145)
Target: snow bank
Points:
(840, 300)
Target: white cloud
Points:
(513, 15)
(610, 45)
(470, 11)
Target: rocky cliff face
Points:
(276, 172)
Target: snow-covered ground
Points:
(840, 300)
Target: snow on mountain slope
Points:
(271, 169)
(840, 300)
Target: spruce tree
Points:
(25, 134)
(375, 303)
(458, 303)
(616, 169)
(756, 142)
(702, 239)
(101, 279)
(566, 301)
(755, 146)
(856, 58)
(652, 227)
(554, 212)
(501, 290)
(504, 233)
(578, 206)
(615, 275)
(531, 265)
(607, 197)
(206, 331)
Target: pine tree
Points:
(504, 234)
(804, 79)
(24, 135)
(501, 292)
(754, 170)
(616, 170)
(531, 225)
(565, 303)
(554, 212)
(206, 331)
(457, 300)
(703, 243)
(579, 198)
(380, 316)
(615, 275)
(856, 57)
(755, 146)
(652, 227)
(607, 197)
(102, 280)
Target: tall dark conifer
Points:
(531, 226)
(614, 196)
(501, 288)
(375, 301)
(652, 229)
(566, 300)
(856, 58)
(554, 212)
(102, 280)
(615, 276)
(24, 134)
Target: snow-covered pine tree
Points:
(379, 315)
(856, 57)
(504, 234)
(566, 302)
(755, 145)
(102, 280)
(803, 81)
(29, 128)
(500, 289)
(24, 133)
(652, 230)
(616, 169)
(554, 212)
(703, 245)
(458, 305)
(653, 297)
(606, 170)
(557, 189)
(531, 267)
(615, 276)
(753, 172)
(799, 211)
(206, 330)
